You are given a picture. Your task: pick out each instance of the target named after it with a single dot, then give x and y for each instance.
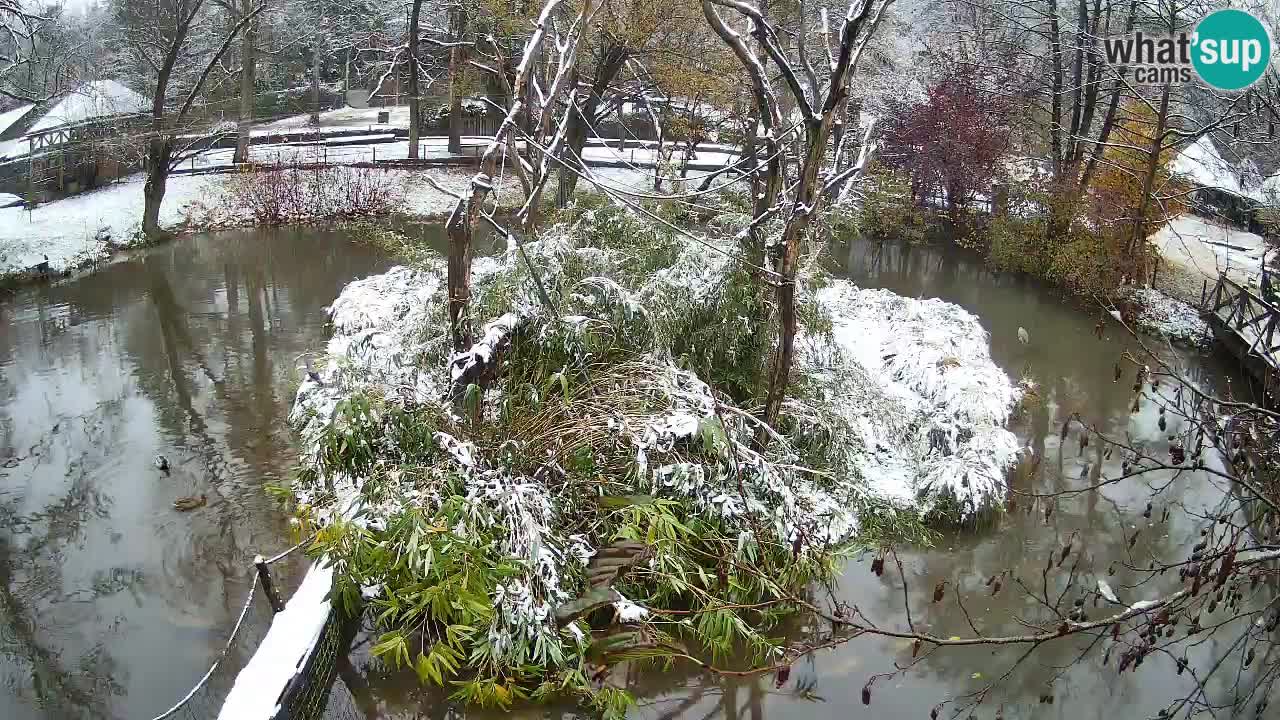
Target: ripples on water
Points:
(111, 602)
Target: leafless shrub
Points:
(278, 196)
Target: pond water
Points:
(112, 603)
(1075, 370)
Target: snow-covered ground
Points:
(349, 150)
(86, 227)
(1164, 316)
(1205, 248)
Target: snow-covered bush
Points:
(607, 480)
(1160, 315)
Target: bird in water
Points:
(311, 372)
(1024, 337)
(188, 504)
(162, 464)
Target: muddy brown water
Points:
(112, 603)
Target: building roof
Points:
(10, 117)
(92, 101)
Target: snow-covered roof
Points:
(1202, 164)
(10, 117)
(91, 101)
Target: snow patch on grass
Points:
(1161, 315)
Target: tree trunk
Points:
(247, 71)
(159, 153)
(1138, 235)
(415, 103)
(459, 277)
(315, 81)
(457, 74)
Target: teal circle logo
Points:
(1232, 49)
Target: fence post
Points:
(268, 585)
(1204, 292)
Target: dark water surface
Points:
(112, 603)
(1075, 372)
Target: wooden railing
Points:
(1252, 318)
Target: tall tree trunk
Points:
(315, 80)
(415, 103)
(1138, 235)
(159, 154)
(247, 72)
(615, 57)
(457, 75)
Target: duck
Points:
(187, 504)
(162, 463)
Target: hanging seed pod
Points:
(1084, 441)
(1106, 657)
(1135, 404)
(1115, 631)
(1111, 570)
(1133, 539)
(915, 649)
(877, 566)
(1066, 550)
(866, 693)
(784, 673)
(1048, 512)
(1177, 454)
(1164, 516)
(939, 591)
(1125, 658)
(1182, 665)
(1248, 658)
(1147, 513)
(995, 589)
(1124, 466)
(1119, 372)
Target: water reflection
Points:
(111, 603)
(1074, 369)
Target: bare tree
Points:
(164, 39)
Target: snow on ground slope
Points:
(1164, 316)
(1205, 248)
(933, 421)
(84, 227)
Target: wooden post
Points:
(268, 585)
(1204, 291)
